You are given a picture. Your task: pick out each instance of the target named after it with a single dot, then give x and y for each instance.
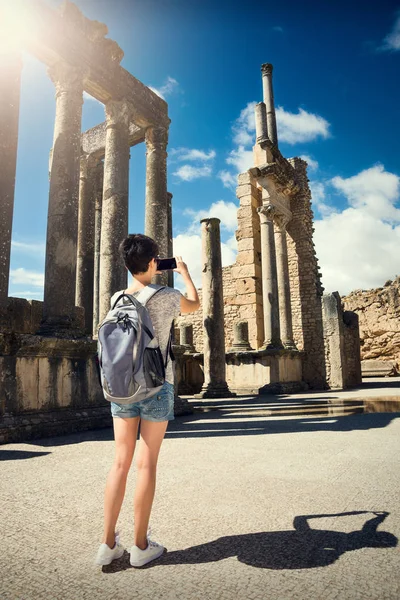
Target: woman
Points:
(140, 253)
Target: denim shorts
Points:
(157, 408)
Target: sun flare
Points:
(16, 24)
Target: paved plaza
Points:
(257, 498)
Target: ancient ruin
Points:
(281, 333)
(264, 325)
(47, 354)
(378, 311)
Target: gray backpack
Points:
(130, 361)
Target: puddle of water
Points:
(334, 407)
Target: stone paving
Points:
(257, 498)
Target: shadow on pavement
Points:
(244, 416)
(20, 454)
(299, 548)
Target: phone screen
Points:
(166, 264)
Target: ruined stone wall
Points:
(378, 311)
(305, 283)
(231, 313)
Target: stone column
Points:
(62, 220)
(114, 220)
(215, 385)
(10, 83)
(285, 309)
(268, 93)
(170, 251)
(156, 218)
(269, 278)
(85, 253)
(97, 237)
(261, 122)
(240, 337)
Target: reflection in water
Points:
(328, 407)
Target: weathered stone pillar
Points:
(215, 385)
(86, 226)
(240, 337)
(269, 278)
(268, 93)
(261, 122)
(156, 218)
(285, 309)
(62, 220)
(10, 83)
(186, 337)
(114, 220)
(97, 238)
(170, 250)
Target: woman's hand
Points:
(181, 267)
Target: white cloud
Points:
(294, 128)
(23, 276)
(278, 28)
(29, 248)
(170, 86)
(359, 246)
(225, 211)
(183, 154)
(201, 158)
(312, 164)
(27, 294)
(228, 179)
(318, 194)
(391, 42)
(189, 247)
(245, 126)
(189, 173)
(188, 243)
(241, 159)
(374, 190)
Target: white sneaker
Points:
(106, 555)
(139, 557)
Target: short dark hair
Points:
(137, 250)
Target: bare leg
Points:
(151, 436)
(125, 433)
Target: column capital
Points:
(66, 78)
(266, 212)
(266, 69)
(156, 137)
(118, 113)
(281, 220)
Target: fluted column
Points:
(10, 84)
(285, 309)
(114, 222)
(215, 385)
(85, 253)
(170, 250)
(97, 237)
(156, 218)
(268, 93)
(62, 220)
(269, 278)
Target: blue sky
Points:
(336, 85)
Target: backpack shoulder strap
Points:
(148, 292)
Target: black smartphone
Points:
(166, 264)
